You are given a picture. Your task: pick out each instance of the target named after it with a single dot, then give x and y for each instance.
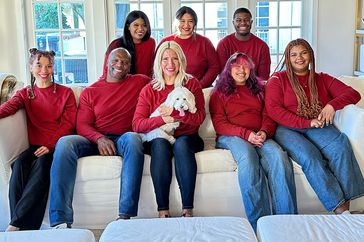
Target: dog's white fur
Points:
(180, 99)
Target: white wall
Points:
(334, 43)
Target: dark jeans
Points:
(28, 189)
(183, 150)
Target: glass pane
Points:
(216, 35)
(121, 11)
(58, 71)
(46, 16)
(266, 14)
(285, 17)
(154, 11)
(297, 11)
(76, 71)
(270, 37)
(158, 35)
(216, 15)
(48, 41)
(285, 36)
(74, 44)
(198, 8)
(73, 16)
(296, 33)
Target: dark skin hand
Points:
(106, 146)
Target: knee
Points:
(181, 146)
(66, 144)
(132, 140)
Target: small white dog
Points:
(180, 99)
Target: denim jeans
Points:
(327, 160)
(64, 167)
(254, 165)
(183, 150)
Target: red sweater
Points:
(107, 107)
(150, 100)
(144, 56)
(256, 48)
(202, 61)
(281, 100)
(240, 114)
(49, 115)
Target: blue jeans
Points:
(183, 150)
(64, 167)
(327, 160)
(254, 164)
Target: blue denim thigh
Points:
(278, 169)
(313, 164)
(251, 177)
(130, 148)
(63, 175)
(336, 148)
(184, 150)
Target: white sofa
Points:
(217, 191)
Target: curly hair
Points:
(226, 84)
(305, 108)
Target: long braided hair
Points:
(305, 108)
(36, 54)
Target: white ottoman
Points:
(50, 235)
(179, 229)
(305, 228)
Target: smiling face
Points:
(138, 29)
(118, 65)
(242, 24)
(299, 56)
(186, 26)
(42, 70)
(240, 71)
(170, 66)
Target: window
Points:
(60, 26)
(277, 23)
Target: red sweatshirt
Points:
(240, 114)
(256, 48)
(107, 107)
(202, 61)
(281, 100)
(144, 56)
(150, 100)
(49, 115)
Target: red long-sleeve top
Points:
(256, 48)
(144, 56)
(150, 99)
(108, 107)
(239, 114)
(49, 115)
(281, 101)
(201, 56)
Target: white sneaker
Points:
(61, 226)
(346, 212)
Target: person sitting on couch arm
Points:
(51, 113)
(243, 127)
(170, 72)
(104, 122)
(303, 103)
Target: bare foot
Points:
(187, 213)
(164, 214)
(342, 208)
(11, 228)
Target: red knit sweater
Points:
(107, 107)
(256, 48)
(240, 114)
(150, 100)
(144, 56)
(202, 61)
(49, 115)
(281, 100)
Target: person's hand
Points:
(327, 115)
(262, 135)
(255, 140)
(168, 119)
(106, 146)
(41, 151)
(165, 111)
(315, 123)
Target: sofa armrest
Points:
(350, 120)
(13, 140)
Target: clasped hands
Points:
(325, 117)
(165, 113)
(257, 139)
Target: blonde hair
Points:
(181, 78)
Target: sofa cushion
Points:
(357, 83)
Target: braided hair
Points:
(36, 54)
(304, 108)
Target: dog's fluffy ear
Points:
(191, 102)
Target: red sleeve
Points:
(220, 120)
(342, 94)
(263, 70)
(142, 123)
(68, 121)
(12, 105)
(274, 102)
(86, 118)
(268, 125)
(213, 66)
(222, 53)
